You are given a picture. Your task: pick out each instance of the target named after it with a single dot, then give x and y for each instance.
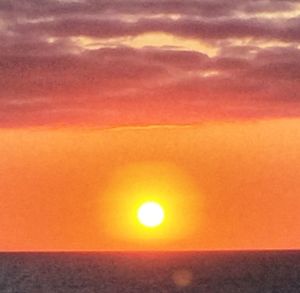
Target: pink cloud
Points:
(44, 82)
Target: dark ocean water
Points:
(150, 272)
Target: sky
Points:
(105, 102)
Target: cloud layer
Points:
(147, 62)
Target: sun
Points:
(150, 214)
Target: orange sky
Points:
(229, 186)
(105, 104)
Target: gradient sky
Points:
(90, 88)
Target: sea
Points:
(155, 272)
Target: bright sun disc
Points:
(150, 214)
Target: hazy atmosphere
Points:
(105, 105)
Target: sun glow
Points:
(146, 204)
(150, 214)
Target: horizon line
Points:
(157, 251)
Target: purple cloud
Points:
(46, 77)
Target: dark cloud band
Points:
(47, 76)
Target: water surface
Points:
(150, 272)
